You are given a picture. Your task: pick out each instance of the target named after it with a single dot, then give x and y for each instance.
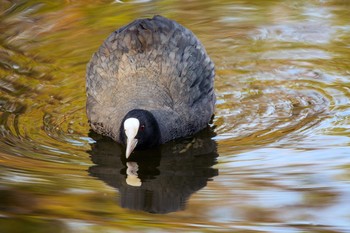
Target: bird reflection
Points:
(158, 180)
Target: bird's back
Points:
(153, 64)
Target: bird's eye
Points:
(142, 127)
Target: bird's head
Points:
(139, 129)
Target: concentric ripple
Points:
(278, 158)
(268, 106)
(36, 119)
(42, 99)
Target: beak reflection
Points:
(132, 178)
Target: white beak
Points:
(130, 146)
(131, 126)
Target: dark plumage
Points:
(155, 65)
(149, 134)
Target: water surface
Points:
(275, 159)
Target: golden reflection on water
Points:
(281, 125)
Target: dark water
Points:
(276, 158)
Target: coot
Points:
(150, 82)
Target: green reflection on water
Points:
(282, 119)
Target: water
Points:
(276, 158)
